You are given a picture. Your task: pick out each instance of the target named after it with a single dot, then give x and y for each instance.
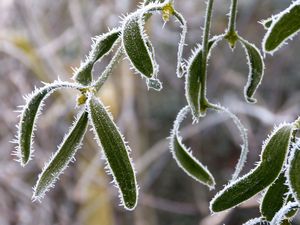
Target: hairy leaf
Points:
(293, 172)
(272, 160)
(280, 216)
(135, 45)
(29, 113)
(115, 151)
(274, 198)
(101, 46)
(285, 26)
(192, 83)
(256, 70)
(184, 157)
(64, 155)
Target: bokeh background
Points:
(42, 40)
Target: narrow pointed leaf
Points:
(284, 27)
(184, 157)
(256, 70)
(294, 170)
(192, 83)
(29, 113)
(135, 45)
(274, 198)
(115, 151)
(101, 46)
(64, 155)
(273, 158)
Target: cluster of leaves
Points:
(280, 158)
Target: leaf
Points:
(29, 114)
(64, 155)
(293, 170)
(115, 150)
(285, 26)
(274, 198)
(256, 70)
(184, 157)
(101, 46)
(135, 45)
(192, 80)
(279, 217)
(255, 221)
(272, 160)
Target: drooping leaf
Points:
(192, 83)
(135, 45)
(274, 198)
(101, 46)
(184, 157)
(116, 152)
(293, 172)
(256, 70)
(64, 155)
(29, 113)
(284, 27)
(273, 157)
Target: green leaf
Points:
(256, 70)
(274, 198)
(29, 114)
(192, 83)
(184, 157)
(115, 151)
(293, 173)
(64, 155)
(135, 45)
(273, 157)
(101, 46)
(285, 222)
(285, 26)
(280, 216)
(255, 221)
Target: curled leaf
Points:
(101, 46)
(192, 82)
(64, 155)
(274, 198)
(285, 25)
(184, 157)
(273, 157)
(29, 113)
(256, 70)
(293, 170)
(115, 150)
(135, 45)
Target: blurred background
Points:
(42, 40)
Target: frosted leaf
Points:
(256, 70)
(116, 152)
(184, 156)
(63, 156)
(273, 158)
(284, 26)
(29, 114)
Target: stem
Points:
(232, 18)
(231, 35)
(109, 69)
(203, 100)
